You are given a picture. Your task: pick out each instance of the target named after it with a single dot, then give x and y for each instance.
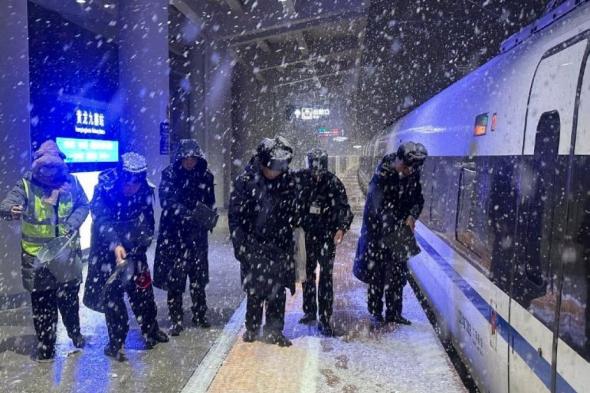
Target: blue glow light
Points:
(88, 150)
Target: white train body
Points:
(517, 130)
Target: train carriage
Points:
(506, 227)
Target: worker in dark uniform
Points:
(186, 189)
(122, 230)
(50, 203)
(263, 211)
(328, 217)
(394, 202)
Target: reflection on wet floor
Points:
(164, 368)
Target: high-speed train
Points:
(505, 230)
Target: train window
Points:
(541, 221)
(443, 202)
(574, 326)
(502, 201)
(472, 229)
(481, 124)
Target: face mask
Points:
(278, 165)
(48, 171)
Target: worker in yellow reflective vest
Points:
(50, 203)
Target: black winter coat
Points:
(262, 215)
(325, 204)
(117, 220)
(384, 238)
(182, 243)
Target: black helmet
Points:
(275, 153)
(412, 154)
(317, 160)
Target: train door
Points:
(542, 218)
(572, 371)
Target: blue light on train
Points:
(88, 150)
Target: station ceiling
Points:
(330, 45)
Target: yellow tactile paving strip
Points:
(395, 359)
(260, 367)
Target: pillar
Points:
(15, 135)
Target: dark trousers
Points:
(45, 305)
(275, 311)
(142, 304)
(320, 251)
(391, 284)
(198, 298)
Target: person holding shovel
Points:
(51, 204)
(122, 230)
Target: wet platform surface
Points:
(166, 368)
(394, 358)
(391, 359)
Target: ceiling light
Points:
(81, 1)
(357, 147)
(340, 138)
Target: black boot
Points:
(156, 337)
(278, 338)
(377, 321)
(114, 353)
(44, 356)
(249, 336)
(201, 322)
(401, 320)
(325, 329)
(79, 341)
(307, 319)
(176, 329)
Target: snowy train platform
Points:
(392, 359)
(166, 368)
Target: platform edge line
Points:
(205, 373)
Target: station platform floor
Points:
(394, 358)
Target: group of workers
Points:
(267, 202)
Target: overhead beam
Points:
(290, 27)
(187, 10)
(235, 6)
(320, 76)
(338, 47)
(263, 46)
(314, 59)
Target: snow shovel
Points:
(59, 257)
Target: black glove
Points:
(205, 216)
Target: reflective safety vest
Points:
(42, 222)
